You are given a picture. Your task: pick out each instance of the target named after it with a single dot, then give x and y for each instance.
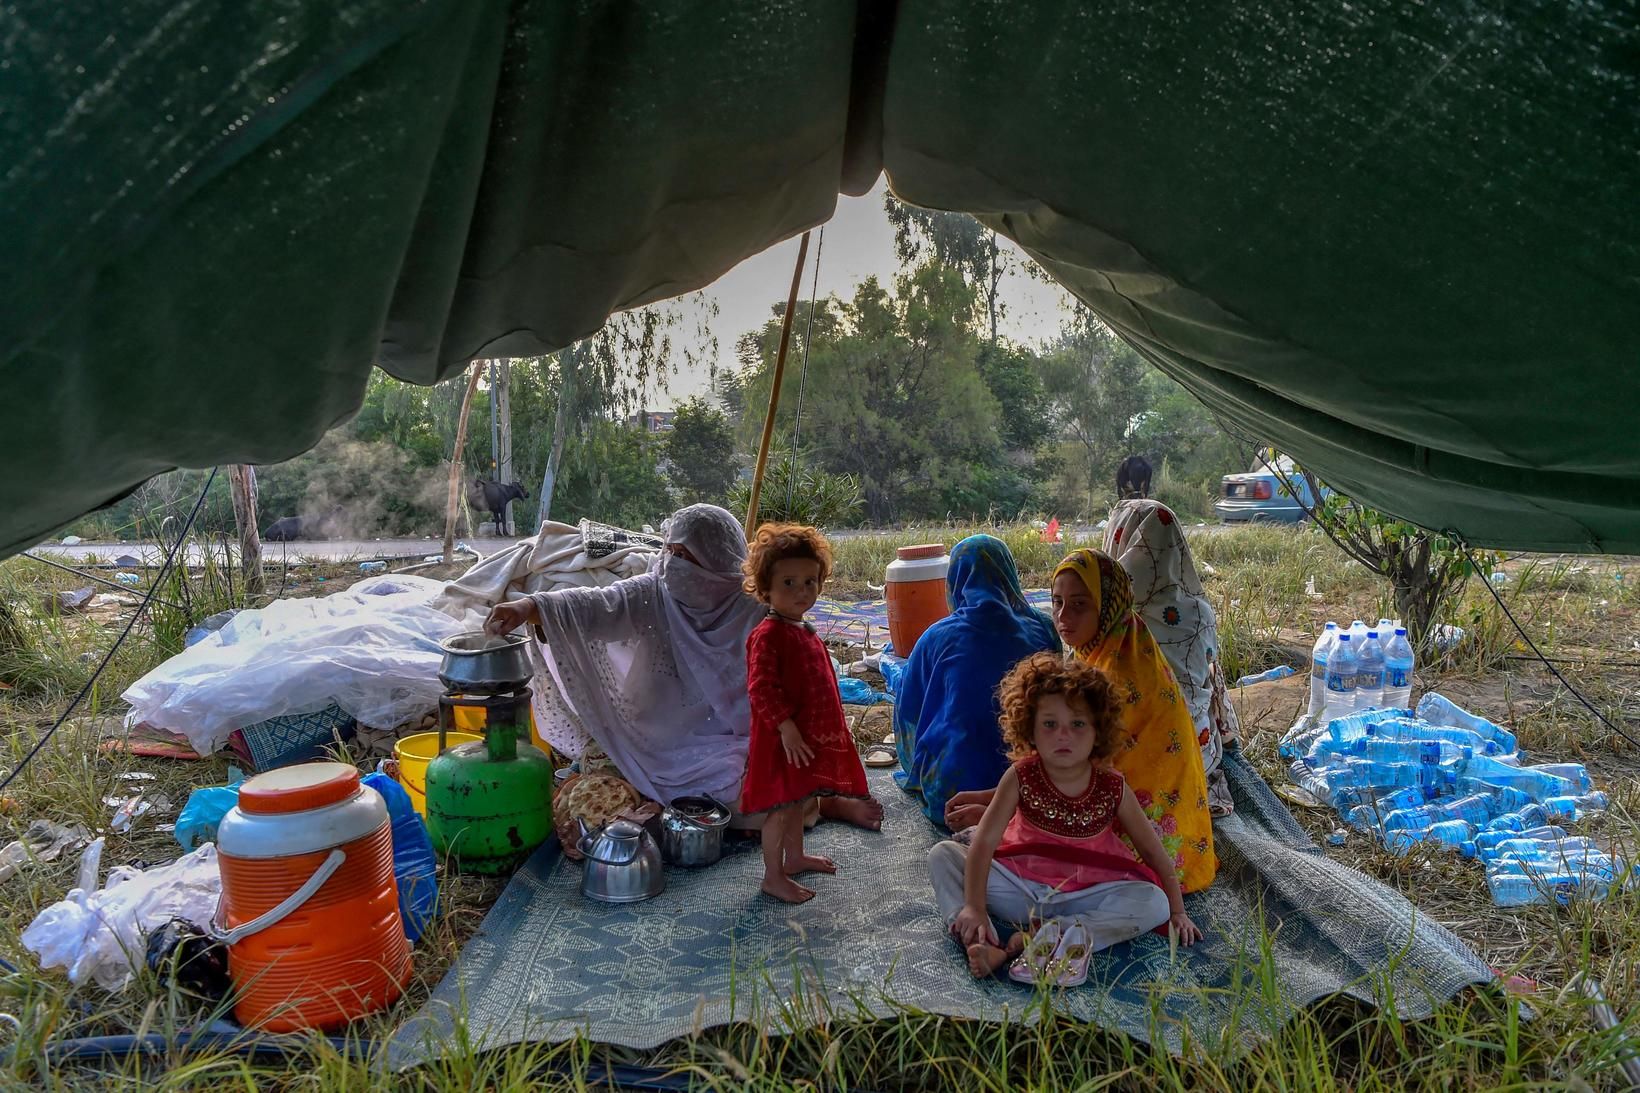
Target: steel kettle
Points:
(623, 864)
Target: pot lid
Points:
(617, 844)
(299, 788)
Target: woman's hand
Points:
(973, 927)
(1181, 927)
(798, 752)
(509, 615)
(963, 810)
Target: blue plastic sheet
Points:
(893, 669)
(857, 692)
(413, 861)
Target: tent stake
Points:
(774, 391)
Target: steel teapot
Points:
(623, 864)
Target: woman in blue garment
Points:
(946, 716)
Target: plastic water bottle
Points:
(1522, 819)
(1453, 834)
(1438, 710)
(1342, 668)
(1318, 668)
(1474, 809)
(1410, 751)
(1403, 728)
(1358, 632)
(1575, 808)
(1575, 773)
(1571, 848)
(1518, 889)
(1487, 841)
(1359, 725)
(1398, 664)
(1312, 780)
(1485, 770)
(1369, 677)
(1371, 815)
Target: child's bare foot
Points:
(984, 960)
(810, 863)
(866, 812)
(786, 890)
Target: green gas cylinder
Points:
(489, 802)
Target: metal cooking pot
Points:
(623, 864)
(476, 662)
(691, 830)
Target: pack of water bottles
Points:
(1441, 776)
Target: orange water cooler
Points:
(310, 910)
(915, 590)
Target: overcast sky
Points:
(858, 243)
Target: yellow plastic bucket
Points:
(471, 719)
(414, 753)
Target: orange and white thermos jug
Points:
(914, 588)
(309, 908)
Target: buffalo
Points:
(1133, 478)
(288, 529)
(497, 496)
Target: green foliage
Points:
(1424, 568)
(957, 242)
(611, 473)
(1096, 383)
(799, 492)
(701, 452)
(894, 394)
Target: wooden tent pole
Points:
(774, 391)
(453, 502)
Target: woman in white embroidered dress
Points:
(653, 668)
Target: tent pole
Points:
(774, 391)
(454, 499)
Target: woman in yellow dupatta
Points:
(1093, 612)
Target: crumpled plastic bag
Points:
(99, 935)
(373, 650)
(857, 692)
(202, 813)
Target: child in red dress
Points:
(801, 746)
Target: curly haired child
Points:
(1049, 848)
(801, 746)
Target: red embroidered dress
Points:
(1064, 842)
(788, 675)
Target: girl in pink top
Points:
(1050, 850)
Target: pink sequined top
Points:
(1064, 842)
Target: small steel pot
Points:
(479, 663)
(691, 831)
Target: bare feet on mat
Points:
(809, 863)
(866, 812)
(786, 890)
(984, 960)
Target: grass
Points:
(1579, 611)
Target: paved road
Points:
(333, 550)
(346, 550)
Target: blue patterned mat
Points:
(547, 965)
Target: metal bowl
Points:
(478, 662)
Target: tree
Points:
(701, 451)
(958, 241)
(894, 395)
(1096, 385)
(605, 376)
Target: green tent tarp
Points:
(1398, 241)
